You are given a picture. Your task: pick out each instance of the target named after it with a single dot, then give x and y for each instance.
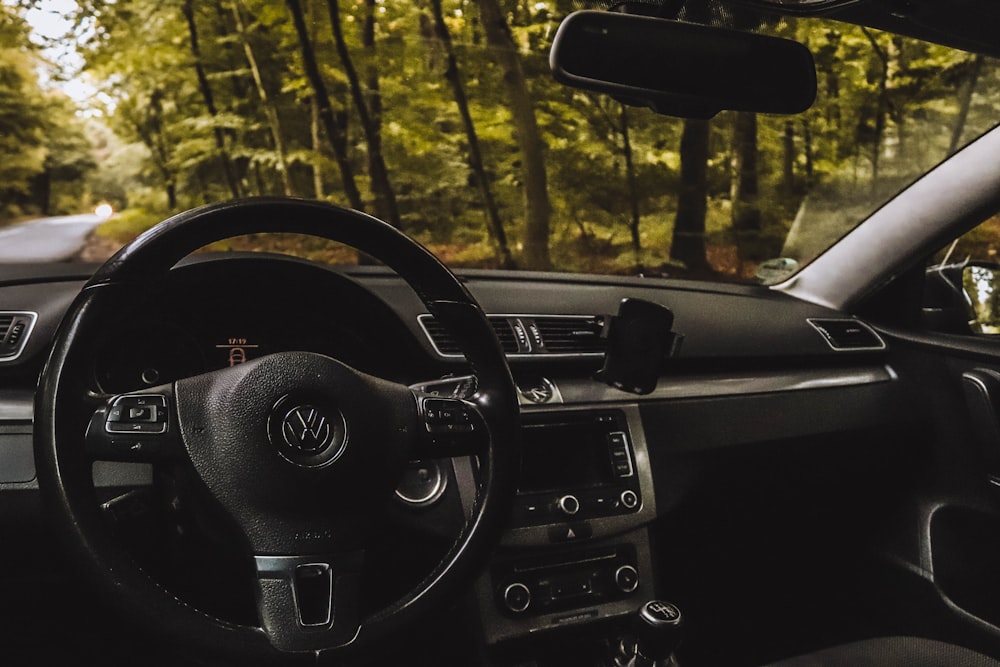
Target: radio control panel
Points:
(577, 466)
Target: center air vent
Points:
(530, 335)
(14, 331)
(848, 334)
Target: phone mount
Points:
(640, 340)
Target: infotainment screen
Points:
(564, 456)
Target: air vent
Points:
(530, 335)
(14, 331)
(446, 345)
(572, 334)
(848, 335)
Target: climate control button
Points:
(627, 579)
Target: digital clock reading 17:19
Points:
(237, 350)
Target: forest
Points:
(441, 118)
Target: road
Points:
(46, 239)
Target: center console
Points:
(577, 549)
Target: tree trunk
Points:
(529, 138)
(314, 135)
(206, 92)
(335, 132)
(633, 193)
(788, 159)
(270, 111)
(385, 197)
(964, 102)
(808, 151)
(154, 136)
(882, 104)
(746, 209)
(688, 242)
(494, 225)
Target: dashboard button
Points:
(629, 499)
(571, 532)
(568, 505)
(517, 597)
(627, 579)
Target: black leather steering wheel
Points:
(297, 449)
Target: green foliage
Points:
(886, 110)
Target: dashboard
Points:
(604, 469)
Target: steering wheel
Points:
(298, 450)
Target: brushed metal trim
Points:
(581, 391)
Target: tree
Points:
(335, 132)
(529, 140)
(270, 109)
(187, 8)
(385, 198)
(688, 241)
(494, 224)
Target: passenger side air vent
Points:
(530, 335)
(848, 335)
(14, 331)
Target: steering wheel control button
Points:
(444, 416)
(452, 427)
(568, 505)
(314, 594)
(137, 413)
(307, 433)
(627, 579)
(629, 499)
(517, 597)
(132, 427)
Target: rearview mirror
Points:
(682, 69)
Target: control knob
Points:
(568, 505)
(627, 579)
(517, 597)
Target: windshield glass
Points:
(442, 118)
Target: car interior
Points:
(253, 458)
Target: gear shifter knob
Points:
(657, 628)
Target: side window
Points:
(962, 293)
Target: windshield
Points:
(442, 118)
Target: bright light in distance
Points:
(104, 211)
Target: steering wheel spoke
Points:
(137, 427)
(310, 602)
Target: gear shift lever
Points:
(657, 627)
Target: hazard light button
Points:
(570, 532)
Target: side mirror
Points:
(682, 69)
(981, 284)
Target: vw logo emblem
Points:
(307, 432)
(307, 429)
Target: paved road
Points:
(46, 239)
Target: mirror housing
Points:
(682, 69)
